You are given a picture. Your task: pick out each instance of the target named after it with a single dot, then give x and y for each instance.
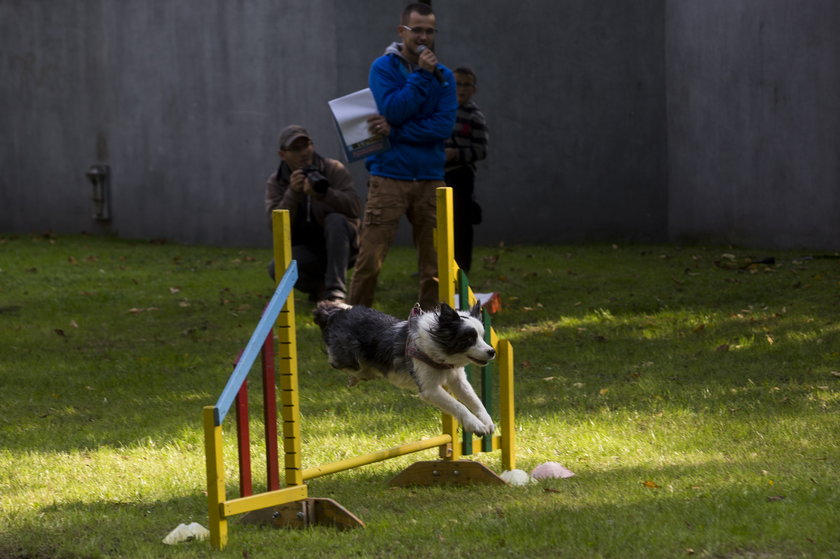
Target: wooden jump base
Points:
(291, 506)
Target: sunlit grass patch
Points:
(694, 395)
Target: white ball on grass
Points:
(516, 477)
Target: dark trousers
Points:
(323, 263)
(462, 181)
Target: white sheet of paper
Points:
(351, 112)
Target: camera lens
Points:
(319, 182)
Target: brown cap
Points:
(292, 133)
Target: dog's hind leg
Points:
(463, 391)
(440, 398)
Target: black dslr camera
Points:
(319, 182)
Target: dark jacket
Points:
(307, 212)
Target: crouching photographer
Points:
(324, 209)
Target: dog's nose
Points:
(491, 353)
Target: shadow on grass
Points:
(653, 511)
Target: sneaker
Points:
(334, 296)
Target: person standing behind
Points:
(467, 145)
(324, 210)
(416, 99)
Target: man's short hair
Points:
(422, 9)
(466, 72)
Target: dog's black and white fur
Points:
(425, 353)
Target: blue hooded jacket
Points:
(421, 112)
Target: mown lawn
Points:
(693, 391)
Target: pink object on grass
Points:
(551, 470)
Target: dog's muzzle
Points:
(491, 353)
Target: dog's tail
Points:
(325, 309)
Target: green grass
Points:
(695, 397)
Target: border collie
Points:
(426, 353)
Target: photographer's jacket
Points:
(421, 112)
(307, 212)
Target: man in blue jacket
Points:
(416, 99)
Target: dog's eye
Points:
(468, 339)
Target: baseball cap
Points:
(291, 133)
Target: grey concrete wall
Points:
(610, 120)
(184, 100)
(754, 122)
(574, 92)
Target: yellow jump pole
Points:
(215, 479)
(505, 363)
(379, 456)
(287, 353)
(447, 276)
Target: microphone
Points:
(438, 74)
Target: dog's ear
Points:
(448, 313)
(475, 311)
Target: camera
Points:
(319, 182)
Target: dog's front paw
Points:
(473, 425)
(478, 427)
(489, 428)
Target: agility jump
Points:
(291, 505)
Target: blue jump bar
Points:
(252, 350)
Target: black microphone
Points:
(438, 74)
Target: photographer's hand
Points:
(308, 190)
(297, 180)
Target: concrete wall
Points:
(610, 120)
(754, 122)
(183, 100)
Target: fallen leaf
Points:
(550, 490)
(72, 260)
(74, 324)
(775, 498)
(835, 374)
(174, 290)
(650, 485)
(59, 331)
(603, 391)
(722, 347)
